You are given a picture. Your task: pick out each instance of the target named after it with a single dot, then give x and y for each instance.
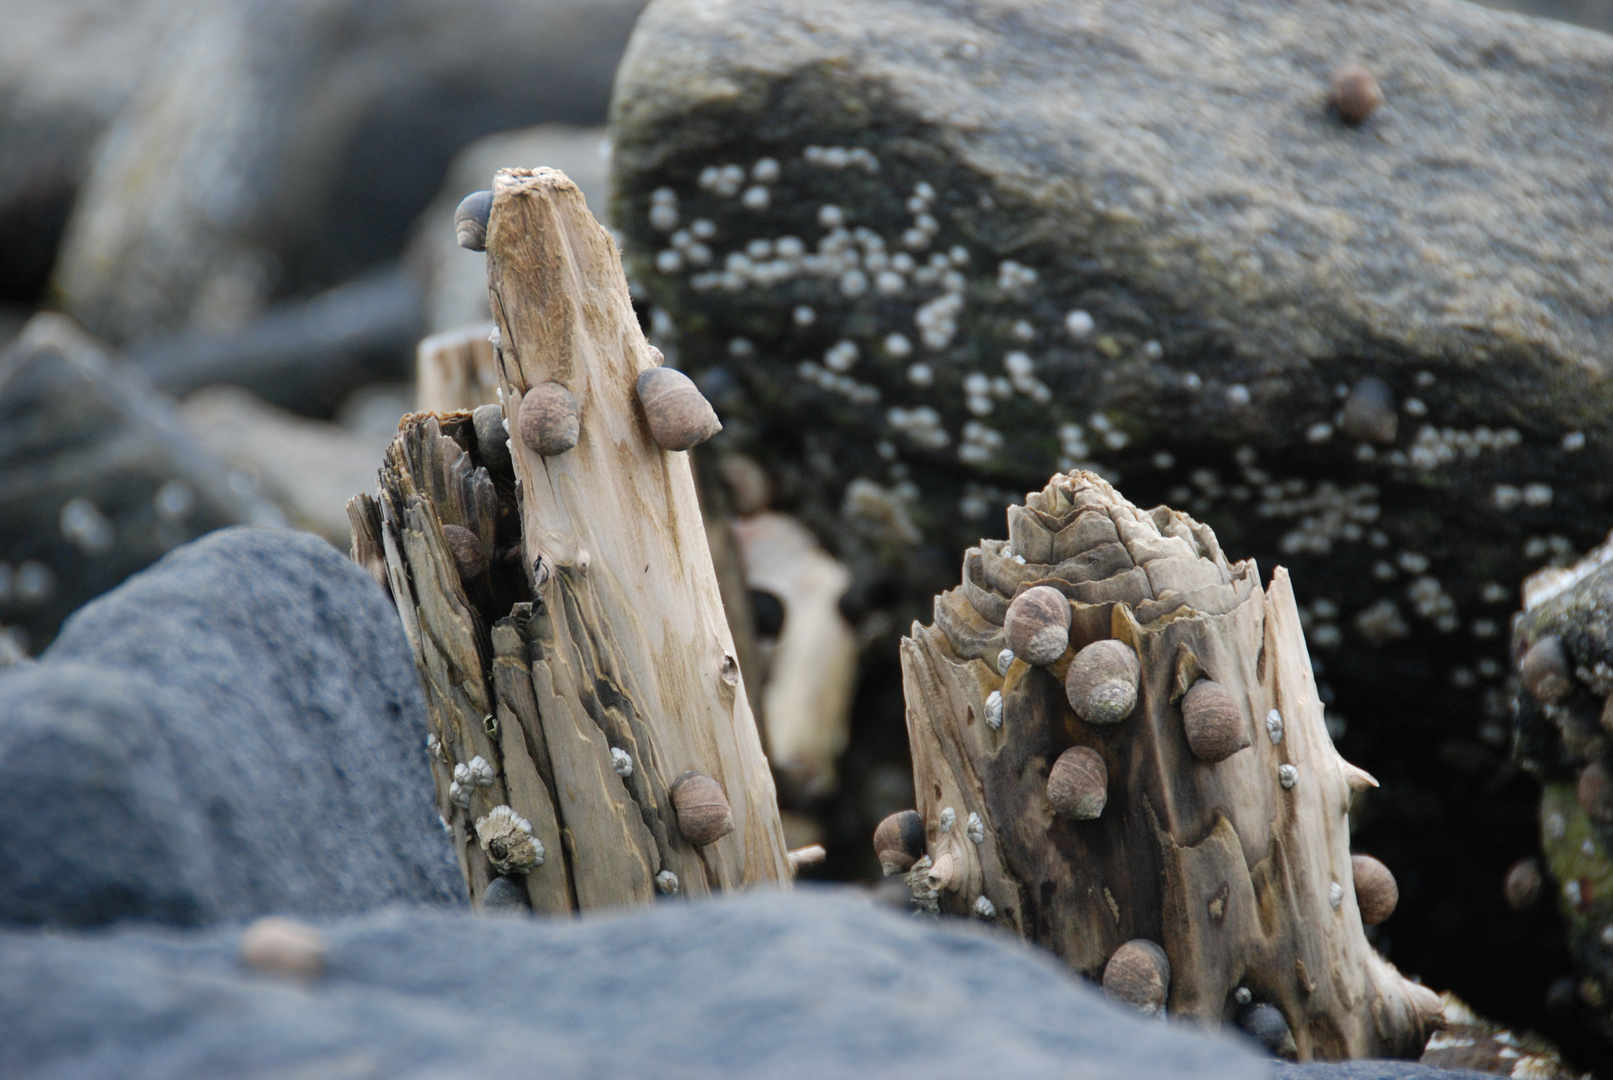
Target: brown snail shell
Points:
(1523, 884)
(549, 419)
(1037, 626)
(1369, 412)
(470, 554)
(492, 441)
(899, 841)
(680, 416)
(1102, 682)
(1376, 893)
(470, 220)
(1078, 784)
(1544, 670)
(1212, 721)
(1355, 93)
(1139, 975)
(1596, 792)
(704, 816)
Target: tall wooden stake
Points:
(1172, 785)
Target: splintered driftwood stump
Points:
(592, 742)
(1119, 753)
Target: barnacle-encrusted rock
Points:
(1176, 804)
(506, 838)
(1023, 280)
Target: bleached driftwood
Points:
(456, 369)
(587, 706)
(1214, 822)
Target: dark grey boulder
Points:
(763, 985)
(237, 730)
(98, 478)
(1141, 240)
(1370, 1070)
(281, 147)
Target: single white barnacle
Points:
(984, 908)
(994, 708)
(507, 840)
(949, 818)
(621, 761)
(1287, 775)
(480, 772)
(1335, 894)
(1274, 726)
(1242, 995)
(459, 794)
(434, 746)
(666, 883)
(976, 829)
(462, 774)
(1005, 659)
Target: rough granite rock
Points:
(238, 730)
(921, 255)
(282, 146)
(763, 985)
(97, 477)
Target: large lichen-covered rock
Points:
(922, 255)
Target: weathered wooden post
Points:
(592, 741)
(1119, 753)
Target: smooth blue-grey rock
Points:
(810, 984)
(1370, 1070)
(235, 731)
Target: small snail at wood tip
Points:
(704, 816)
(1212, 721)
(492, 438)
(1078, 784)
(1139, 975)
(468, 551)
(680, 417)
(1376, 893)
(549, 419)
(1037, 626)
(1101, 683)
(1595, 791)
(1355, 93)
(899, 841)
(1544, 670)
(507, 841)
(1369, 412)
(470, 220)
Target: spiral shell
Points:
(1037, 626)
(1376, 893)
(704, 816)
(680, 417)
(468, 551)
(1078, 784)
(899, 841)
(1139, 975)
(470, 220)
(1102, 682)
(1544, 670)
(1212, 721)
(549, 419)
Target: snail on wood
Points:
(899, 841)
(1078, 784)
(1595, 792)
(1544, 670)
(1369, 412)
(492, 438)
(1139, 975)
(1376, 893)
(704, 816)
(470, 220)
(1037, 626)
(1212, 721)
(470, 554)
(1523, 883)
(549, 419)
(1102, 682)
(680, 416)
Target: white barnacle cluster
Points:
(1317, 618)
(1510, 497)
(1327, 513)
(1022, 376)
(994, 709)
(1015, 278)
(468, 776)
(921, 425)
(841, 157)
(1430, 600)
(979, 443)
(975, 829)
(1381, 622)
(1434, 447)
(858, 393)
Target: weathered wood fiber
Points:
(1227, 869)
(598, 629)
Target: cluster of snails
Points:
(549, 419)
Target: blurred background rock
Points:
(237, 216)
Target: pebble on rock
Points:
(1355, 93)
(278, 946)
(1544, 670)
(1369, 412)
(505, 896)
(1595, 790)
